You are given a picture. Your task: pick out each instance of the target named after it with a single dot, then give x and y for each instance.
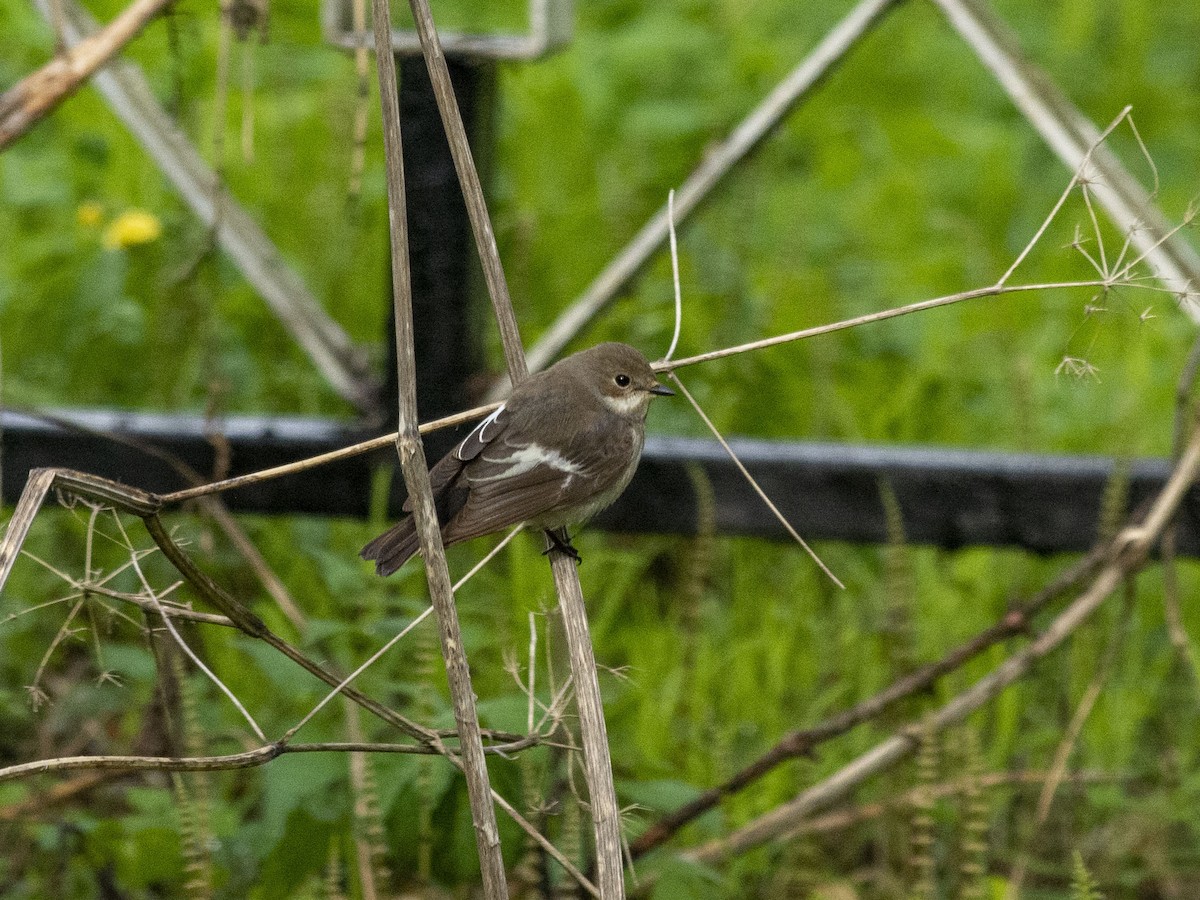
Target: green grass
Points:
(908, 175)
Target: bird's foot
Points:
(558, 539)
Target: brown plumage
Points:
(562, 447)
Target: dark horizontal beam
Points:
(949, 498)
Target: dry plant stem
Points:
(602, 797)
(175, 612)
(1074, 139)
(803, 741)
(994, 290)
(143, 504)
(146, 506)
(848, 818)
(95, 488)
(1062, 754)
(674, 277)
(26, 102)
(754, 484)
(597, 764)
(717, 163)
(1131, 547)
(1062, 198)
(114, 766)
(213, 507)
(89, 487)
(252, 625)
(178, 638)
(470, 415)
(416, 477)
(247, 759)
(321, 459)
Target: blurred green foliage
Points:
(908, 175)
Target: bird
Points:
(561, 448)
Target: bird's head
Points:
(622, 376)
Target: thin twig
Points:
(26, 102)
(468, 179)
(605, 812)
(96, 489)
(478, 412)
(606, 815)
(1073, 138)
(717, 162)
(252, 625)
(803, 741)
(1062, 198)
(321, 459)
(1131, 548)
(167, 609)
(246, 759)
(1062, 754)
(754, 484)
(674, 277)
(994, 290)
(178, 638)
(213, 507)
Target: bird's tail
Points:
(394, 547)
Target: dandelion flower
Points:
(130, 228)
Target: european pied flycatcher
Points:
(562, 447)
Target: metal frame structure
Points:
(550, 27)
(949, 498)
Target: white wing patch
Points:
(479, 432)
(526, 458)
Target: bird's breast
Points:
(624, 446)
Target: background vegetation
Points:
(908, 176)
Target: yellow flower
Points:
(89, 214)
(130, 228)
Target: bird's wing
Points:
(443, 475)
(512, 481)
(396, 546)
(483, 434)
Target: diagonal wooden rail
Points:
(344, 365)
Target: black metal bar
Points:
(442, 254)
(949, 498)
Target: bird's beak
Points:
(662, 391)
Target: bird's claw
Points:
(558, 539)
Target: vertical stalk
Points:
(416, 479)
(597, 763)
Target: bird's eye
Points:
(622, 380)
